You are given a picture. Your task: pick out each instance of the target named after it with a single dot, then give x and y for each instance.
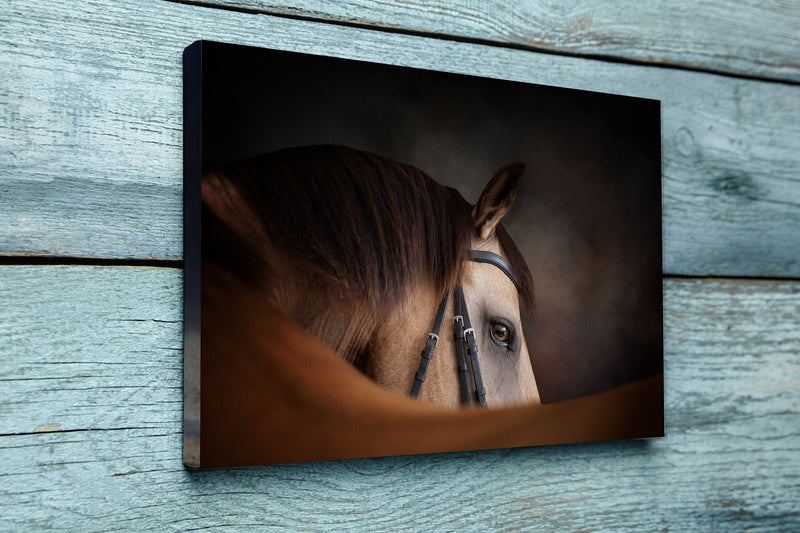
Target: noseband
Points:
(462, 333)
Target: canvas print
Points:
(382, 260)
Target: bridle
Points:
(463, 334)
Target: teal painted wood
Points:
(90, 429)
(750, 38)
(91, 157)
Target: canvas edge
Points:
(192, 165)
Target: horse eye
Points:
(501, 334)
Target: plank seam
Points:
(688, 277)
(88, 261)
(78, 430)
(308, 17)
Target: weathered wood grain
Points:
(90, 429)
(749, 38)
(91, 131)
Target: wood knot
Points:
(738, 185)
(684, 141)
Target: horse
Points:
(364, 253)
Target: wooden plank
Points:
(81, 336)
(91, 159)
(748, 38)
(90, 428)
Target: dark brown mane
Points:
(351, 226)
(364, 223)
(518, 265)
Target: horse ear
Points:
(496, 199)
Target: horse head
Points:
(492, 295)
(359, 249)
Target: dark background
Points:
(588, 215)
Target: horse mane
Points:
(353, 226)
(519, 266)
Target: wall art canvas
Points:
(382, 260)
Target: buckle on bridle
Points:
(435, 338)
(469, 330)
(458, 318)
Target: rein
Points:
(463, 333)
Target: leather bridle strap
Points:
(472, 350)
(458, 335)
(430, 345)
(479, 256)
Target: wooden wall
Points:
(91, 279)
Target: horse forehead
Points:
(489, 281)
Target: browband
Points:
(479, 256)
